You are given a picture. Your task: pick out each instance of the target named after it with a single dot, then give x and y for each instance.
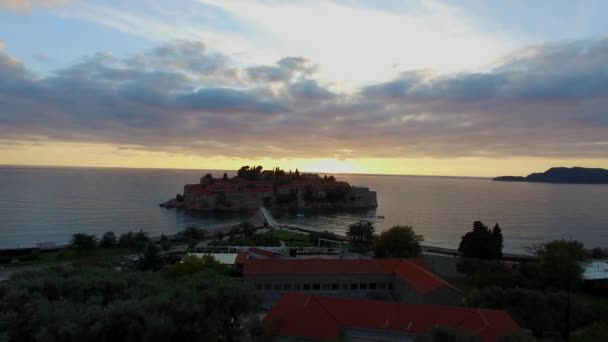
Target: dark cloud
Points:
(310, 90)
(222, 100)
(178, 98)
(574, 70)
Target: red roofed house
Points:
(397, 279)
(312, 317)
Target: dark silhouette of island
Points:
(572, 175)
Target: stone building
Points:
(394, 279)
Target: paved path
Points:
(268, 218)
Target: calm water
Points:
(50, 204)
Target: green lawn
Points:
(291, 239)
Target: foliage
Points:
(151, 260)
(83, 242)
(598, 253)
(597, 332)
(93, 304)
(108, 240)
(27, 258)
(193, 234)
(482, 273)
(398, 242)
(542, 312)
(137, 241)
(559, 263)
(482, 242)
(443, 334)
(361, 235)
(193, 264)
(247, 229)
(250, 172)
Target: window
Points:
(297, 286)
(335, 286)
(371, 286)
(267, 287)
(344, 286)
(259, 287)
(316, 287)
(353, 286)
(277, 287)
(306, 287)
(382, 286)
(390, 286)
(326, 286)
(363, 286)
(286, 286)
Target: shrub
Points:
(27, 258)
(108, 240)
(5, 260)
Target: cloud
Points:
(27, 5)
(546, 100)
(543, 73)
(309, 89)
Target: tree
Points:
(83, 242)
(108, 240)
(559, 263)
(126, 240)
(498, 240)
(247, 229)
(225, 177)
(193, 233)
(151, 260)
(398, 242)
(97, 304)
(193, 264)
(482, 242)
(140, 240)
(361, 235)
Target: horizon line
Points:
(220, 170)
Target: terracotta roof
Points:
(260, 251)
(319, 317)
(419, 278)
(241, 258)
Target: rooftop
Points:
(320, 317)
(422, 280)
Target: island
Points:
(573, 175)
(253, 187)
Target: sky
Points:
(429, 87)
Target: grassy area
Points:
(271, 238)
(291, 239)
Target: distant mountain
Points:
(575, 175)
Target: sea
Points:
(49, 204)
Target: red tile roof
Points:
(320, 317)
(260, 251)
(419, 278)
(241, 258)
